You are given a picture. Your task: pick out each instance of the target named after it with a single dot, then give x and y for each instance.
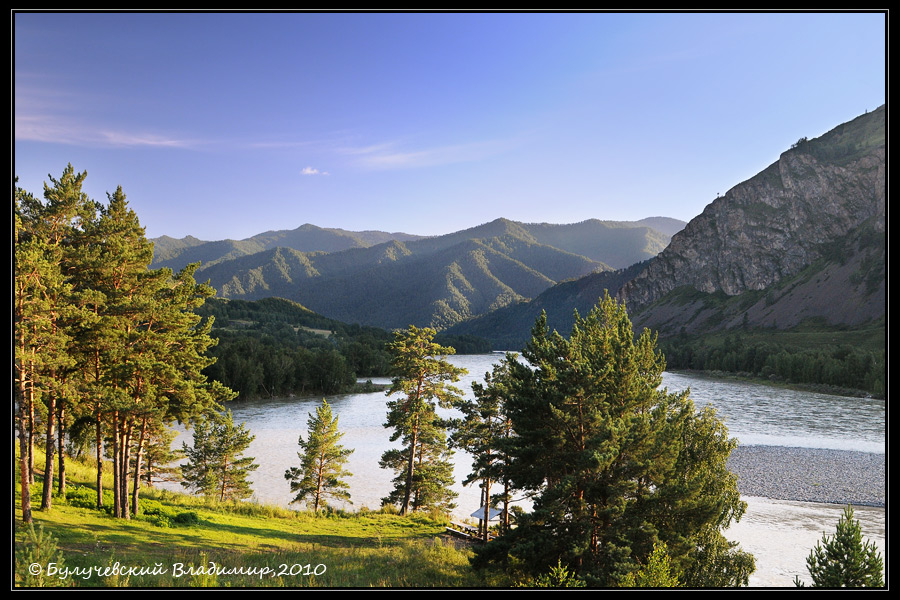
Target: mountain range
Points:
(392, 279)
(802, 241)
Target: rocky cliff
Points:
(776, 224)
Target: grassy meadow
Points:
(177, 538)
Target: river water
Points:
(780, 534)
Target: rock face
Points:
(780, 221)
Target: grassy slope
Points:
(359, 549)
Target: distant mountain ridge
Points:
(436, 281)
(177, 253)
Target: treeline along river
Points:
(798, 451)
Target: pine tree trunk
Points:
(31, 434)
(410, 469)
(487, 509)
(23, 456)
(47, 498)
(116, 464)
(61, 436)
(224, 479)
(137, 468)
(126, 459)
(99, 442)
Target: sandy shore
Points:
(810, 474)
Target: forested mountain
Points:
(436, 281)
(509, 328)
(177, 253)
(275, 347)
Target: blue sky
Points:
(224, 125)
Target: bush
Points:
(187, 518)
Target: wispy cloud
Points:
(54, 116)
(59, 130)
(392, 155)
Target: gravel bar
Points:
(810, 474)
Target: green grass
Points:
(256, 545)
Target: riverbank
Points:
(810, 474)
(816, 388)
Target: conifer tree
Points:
(159, 455)
(99, 336)
(321, 472)
(216, 465)
(657, 573)
(421, 382)
(614, 464)
(844, 559)
(483, 431)
(45, 310)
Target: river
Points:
(780, 534)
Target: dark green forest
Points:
(275, 347)
(844, 367)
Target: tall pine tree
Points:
(483, 431)
(321, 473)
(614, 464)
(421, 382)
(45, 311)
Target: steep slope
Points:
(801, 242)
(773, 226)
(844, 288)
(509, 327)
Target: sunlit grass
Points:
(240, 544)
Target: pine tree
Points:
(216, 465)
(99, 337)
(159, 455)
(844, 559)
(614, 464)
(45, 311)
(421, 382)
(199, 472)
(234, 468)
(657, 573)
(321, 472)
(483, 431)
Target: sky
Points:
(225, 125)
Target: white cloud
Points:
(312, 171)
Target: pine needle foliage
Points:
(844, 559)
(321, 473)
